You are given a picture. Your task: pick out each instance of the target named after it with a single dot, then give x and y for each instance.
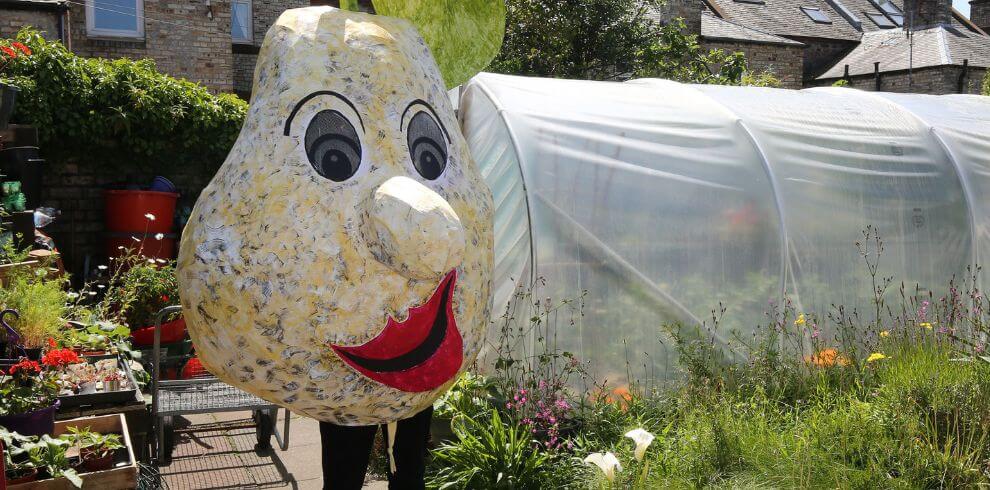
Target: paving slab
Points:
(213, 452)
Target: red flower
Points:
(165, 298)
(24, 49)
(29, 367)
(10, 52)
(51, 343)
(61, 357)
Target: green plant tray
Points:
(104, 398)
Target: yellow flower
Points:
(925, 325)
(800, 320)
(885, 333)
(876, 356)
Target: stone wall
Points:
(264, 14)
(934, 80)
(979, 13)
(784, 61)
(820, 54)
(689, 10)
(928, 12)
(180, 37)
(14, 17)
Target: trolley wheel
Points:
(168, 441)
(265, 421)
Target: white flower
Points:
(72, 295)
(607, 462)
(151, 261)
(136, 239)
(150, 217)
(159, 236)
(643, 439)
(119, 247)
(103, 267)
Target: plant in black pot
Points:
(8, 93)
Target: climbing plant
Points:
(121, 114)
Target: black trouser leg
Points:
(345, 455)
(409, 450)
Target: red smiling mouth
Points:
(419, 354)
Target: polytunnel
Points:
(664, 200)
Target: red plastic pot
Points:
(194, 369)
(173, 331)
(126, 210)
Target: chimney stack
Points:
(929, 13)
(979, 13)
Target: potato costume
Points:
(339, 262)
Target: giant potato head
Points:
(339, 262)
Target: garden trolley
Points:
(205, 394)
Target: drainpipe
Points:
(845, 74)
(876, 74)
(961, 85)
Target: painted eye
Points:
(332, 146)
(427, 146)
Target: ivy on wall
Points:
(120, 114)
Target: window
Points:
(893, 12)
(115, 18)
(241, 25)
(880, 20)
(816, 15)
(757, 2)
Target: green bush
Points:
(120, 114)
(986, 83)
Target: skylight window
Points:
(816, 15)
(894, 13)
(756, 2)
(880, 20)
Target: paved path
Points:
(223, 457)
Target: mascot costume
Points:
(339, 262)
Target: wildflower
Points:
(20, 46)
(800, 320)
(885, 333)
(606, 462)
(925, 325)
(10, 52)
(643, 439)
(876, 356)
(150, 216)
(136, 239)
(815, 333)
(159, 236)
(72, 295)
(827, 358)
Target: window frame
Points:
(250, 28)
(93, 31)
(879, 15)
(826, 19)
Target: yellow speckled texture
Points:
(278, 262)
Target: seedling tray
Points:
(104, 397)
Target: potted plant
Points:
(8, 92)
(139, 291)
(96, 451)
(28, 398)
(40, 304)
(44, 454)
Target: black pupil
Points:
(427, 146)
(332, 146)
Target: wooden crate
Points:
(119, 478)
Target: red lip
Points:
(419, 354)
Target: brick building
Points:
(890, 45)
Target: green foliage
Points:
(986, 83)
(606, 40)
(489, 453)
(40, 304)
(120, 114)
(44, 453)
(841, 83)
(138, 288)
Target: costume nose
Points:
(413, 230)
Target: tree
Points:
(608, 40)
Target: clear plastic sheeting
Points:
(663, 200)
